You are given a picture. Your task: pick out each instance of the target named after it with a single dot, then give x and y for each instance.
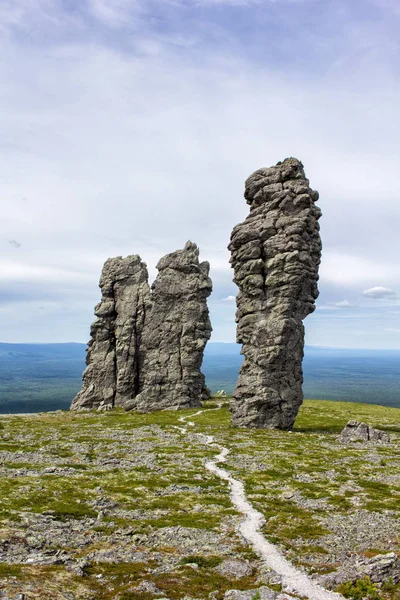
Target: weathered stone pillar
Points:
(276, 253)
(146, 349)
(113, 357)
(175, 334)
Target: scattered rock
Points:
(262, 593)
(275, 255)
(356, 431)
(77, 567)
(379, 569)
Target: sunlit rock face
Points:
(275, 254)
(146, 346)
(113, 357)
(176, 333)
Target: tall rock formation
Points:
(275, 254)
(175, 334)
(113, 357)
(146, 349)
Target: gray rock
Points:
(275, 254)
(176, 332)
(262, 593)
(146, 348)
(382, 567)
(356, 431)
(148, 587)
(235, 568)
(113, 355)
(379, 569)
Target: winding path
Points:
(294, 581)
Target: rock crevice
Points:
(112, 357)
(275, 254)
(146, 346)
(176, 333)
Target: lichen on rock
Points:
(113, 354)
(176, 333)
(275, 254)
(357, 431)
(146, 347)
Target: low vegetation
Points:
(120, 505)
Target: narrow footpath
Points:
(294, 581)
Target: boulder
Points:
(380, 569)
(356, 431)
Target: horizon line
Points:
(217, 342)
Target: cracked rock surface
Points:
(275, 254)
(176, 333)
(146, 347)
(356, 431)
(113, 356)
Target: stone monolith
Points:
(275, 254)
(175, 334)
(113, 356)
(146, 348)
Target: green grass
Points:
(297, 480)
(7, 570)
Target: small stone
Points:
(232, 567)
(148, 587)
(262, 593)
(287, 495)
(192, 565)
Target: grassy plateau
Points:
(119, 505)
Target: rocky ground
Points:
(119, 505)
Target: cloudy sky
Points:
(129, 126)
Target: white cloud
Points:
(229, 299)
(343, 269)
(337, 305)
(378, 293)
(346, 304)
(135, 144)
(36, 15)
(23, 272)
(227, 2)
(159, 155)
(116, 13)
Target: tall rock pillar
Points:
(175, 334)
(275, 254)
(113, 357)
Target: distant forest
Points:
(40, 377)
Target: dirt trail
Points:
(294, 581)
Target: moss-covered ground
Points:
(109, 505)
